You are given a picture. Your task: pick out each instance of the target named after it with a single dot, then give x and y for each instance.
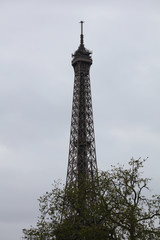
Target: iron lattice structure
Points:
(82, 164)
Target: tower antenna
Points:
(81, 22)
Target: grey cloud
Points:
(36, 77)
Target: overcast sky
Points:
(37, 38)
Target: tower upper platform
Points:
(82, 54)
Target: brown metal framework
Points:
(82, 164)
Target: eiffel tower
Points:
(82, 164)
(81, 182)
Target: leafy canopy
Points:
(120, 210)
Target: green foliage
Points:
(130, 211)
(118, 210)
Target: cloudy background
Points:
(37, 38)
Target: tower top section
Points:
(81, 54)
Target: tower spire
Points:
(82, 36)
(81, 54)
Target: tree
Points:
(123, 200)
(120, 211)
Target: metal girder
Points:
(82, 164)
